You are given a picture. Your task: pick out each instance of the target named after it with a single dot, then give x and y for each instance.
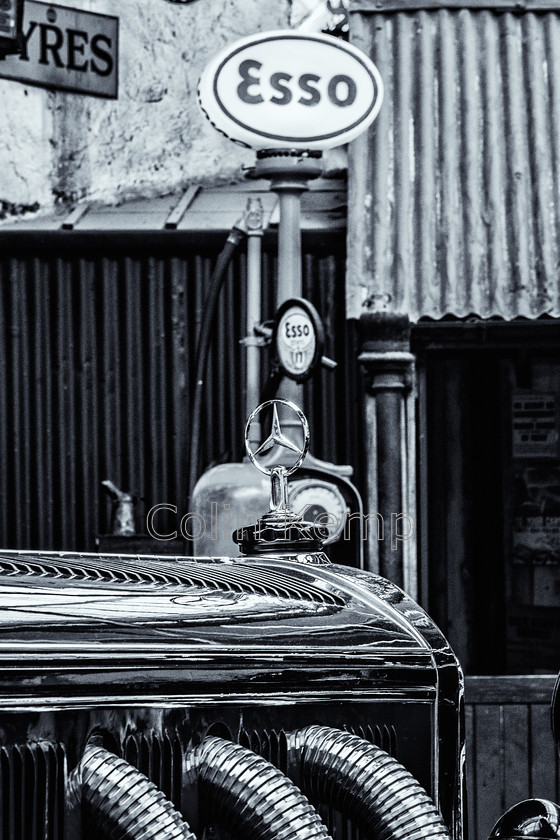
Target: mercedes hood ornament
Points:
(280, 530)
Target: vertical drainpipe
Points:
(254, 215)
(390, 447)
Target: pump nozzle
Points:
(122, 512)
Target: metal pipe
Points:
(289, 276)
(289, 241)
(289, 174)
(390, 443)
(237, 788)
(389, 469)
(235, 236)
(120, 801)
(254, 311)
(365, 784)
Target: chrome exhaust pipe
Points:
(244, 793)
(364, 783)
(121, 802)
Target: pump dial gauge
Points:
(321, 503)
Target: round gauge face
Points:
(321, 503)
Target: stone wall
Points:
(59, 148)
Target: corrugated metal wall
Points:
(96, 374)
(454, 194)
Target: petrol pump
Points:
(277, 93)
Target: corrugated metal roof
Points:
(454, 194)
(197, 209)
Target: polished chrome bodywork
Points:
(149, 655)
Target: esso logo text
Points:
(297, 329)
(291, 90)
(295, 341)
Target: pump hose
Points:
(366, 784)
(248, 796)
(235, 236)
(119, 802)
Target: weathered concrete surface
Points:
(59, 148)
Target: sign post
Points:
(290, 96)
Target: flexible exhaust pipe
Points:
(364, 783)
(238, 788)
(246, 794)
(120, 802)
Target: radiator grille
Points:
(33, 776)
(244, 578)
(382, 736)
(32, 792)
(159, 757)
(270, 745)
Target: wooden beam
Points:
(174, 218)
(74, 217)
(509, 689)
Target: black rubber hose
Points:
(364, 783)
(119, 803)
(248, 796)
(235, 236)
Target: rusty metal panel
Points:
(454, 194)
(97, 361)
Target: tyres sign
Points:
(66, 49)
(291, 90)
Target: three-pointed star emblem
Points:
(276, 437)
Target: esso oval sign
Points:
(291, 90)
